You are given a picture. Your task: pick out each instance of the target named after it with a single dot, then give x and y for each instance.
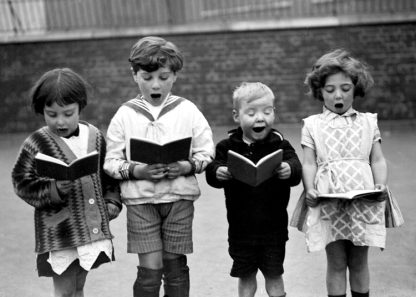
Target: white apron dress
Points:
(343, 144)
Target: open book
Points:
(354, 194)
(243, 169)
(150, 152)
(54, 168)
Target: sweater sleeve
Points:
(220, 160)
(290, 156)
(202, 142)
(110, 186)
(37, 191)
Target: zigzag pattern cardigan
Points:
(82, 217)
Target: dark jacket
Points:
(256, 213)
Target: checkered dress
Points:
(343, 146)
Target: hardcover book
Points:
(150, 152)
(54, 168)
(354, 194)
(243, 169)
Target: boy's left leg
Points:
(177, 220)
(247, 285)
(271, 265)
(176, 277)
(275, 286)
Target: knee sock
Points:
(176, 277)
(344, 295)
(356, 294)
(147, 283)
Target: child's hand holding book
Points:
(178, 168)
(223, 174)
(283, 171)
(152, 172)
(63, 187)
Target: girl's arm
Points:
(309, 169)
(378, 166)
(35, 190)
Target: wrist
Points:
(192, 168)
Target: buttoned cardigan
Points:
(77, 219)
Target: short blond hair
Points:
(250, 91)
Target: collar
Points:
(75, 133)
(237, 136)
(330, 115)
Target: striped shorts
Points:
(165, 226)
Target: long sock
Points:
(356, 294)
(148, 282)
(176, 277)
(344, 295)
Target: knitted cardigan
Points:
(79, 218)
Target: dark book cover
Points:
(150, 152)
(243, 169)
(54, 168)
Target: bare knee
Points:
(247, 285)
(337, 257)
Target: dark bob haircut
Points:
(151, 53)
(61, 85)
(334, 62)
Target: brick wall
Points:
(215, 63)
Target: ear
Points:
(236, 116)
(133, 74)
(175, 76)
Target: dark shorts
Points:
(248, 258)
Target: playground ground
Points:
(393, 271)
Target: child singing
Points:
(342, 152)
(71, 217)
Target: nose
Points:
(155, 84)
(338, 94)
(259, 117)
(60, 121)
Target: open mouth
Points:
(155, 96)
(339, 105)
(258, 129)
(62, 130)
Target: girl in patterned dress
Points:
(342, 152)
(72, 227)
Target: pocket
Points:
(56, 218)
(368, 212)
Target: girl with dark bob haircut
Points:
(339, 61)
(61, 85)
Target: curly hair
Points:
(334, 62)
(151, 53)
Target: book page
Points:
(47, 158)
(84, 157)
(278, 153)
(352, 194)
